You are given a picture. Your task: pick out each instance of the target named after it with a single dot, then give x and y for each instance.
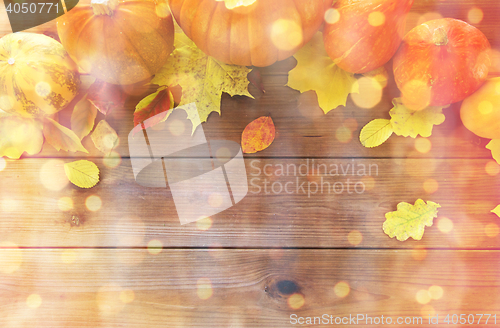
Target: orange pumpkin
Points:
(120, 42)
(258, 34)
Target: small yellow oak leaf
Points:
(375, 133)
(494, 146)
(202, 78)
(409, 123)
(19, 135)
(83, 173)
(316, 71)
(496, 210)
(410, 220)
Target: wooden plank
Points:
(248, 288)
(133, 215)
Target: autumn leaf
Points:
(83, 117)
(60, 137)
(410, 220)
(106, 97)
(496, 210)
(104, 137)
(406, 122)
(202, 78)
(316, 71)
(83, 173)
(258, 135)
(375, 133)
(494, 146)
(151, 106)
(19, 135)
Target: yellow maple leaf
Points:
(202, 78)
(18, 135)
(410, 220)
(375, 133)
(406, 122)
(494, 146)
(316, 71)
(83, 173)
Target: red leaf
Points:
(256, 79)
(152, 106)
(258, 135)
(106, 97)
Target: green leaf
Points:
(410, 220)
(83, 118)
(83, 173)
(406, 122)
(18, 135)
(316, 71)
(60, 137)
(375, 133)
(202, 78)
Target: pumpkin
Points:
(480, 112)
(37, 76)
(361, 36)
(441, 62)
(258, 34)
(119, 42)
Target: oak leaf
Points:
(316, 71)
(375, 133)
(410, 220)
(258, 135)
(83, 173)
(202, 78)
(407, 122)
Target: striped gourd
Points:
(37, 76)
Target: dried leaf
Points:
(258, 135)
(202, 78)
(159, 102)
(104, 137)
(106, 97)
(410, 220)
(60, 137)
(18, 135)
(316, 71)
(83, 117)
(375, 133)
(83, 173)
(494, 146)
(406, 122)
(496, 210)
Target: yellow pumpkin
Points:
(119, 42)
(259, 33)
(37, 76)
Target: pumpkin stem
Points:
(440, 37)
(104, 7)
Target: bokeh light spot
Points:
(215, 200)
(43, 89)
(34, 301)
(485, 107)
(444, 224)
(475, 15)
(176, 127)
(11, 258)
(52, 175)
(155, 246)
(341, 289)
(286, 34)
(68, 256)
(296, 301)
(65, 204)
(355, 237)
(112, 160)
(343, 134)
(376, 18)
(492, 168)
(108, 299)
(431, 186)
(370, 93)
(204, 288)
(204, 224)
(332, 16)
(491, 230)
(423, 296)
(127, 296)
(93, 203)
(423, 145)
(416, 94)
(419, 253)
(436, 292)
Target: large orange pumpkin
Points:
(258, 34)
(120, 42)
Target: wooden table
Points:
(271, 256)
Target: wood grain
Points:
(132, 215)
(250, 288)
